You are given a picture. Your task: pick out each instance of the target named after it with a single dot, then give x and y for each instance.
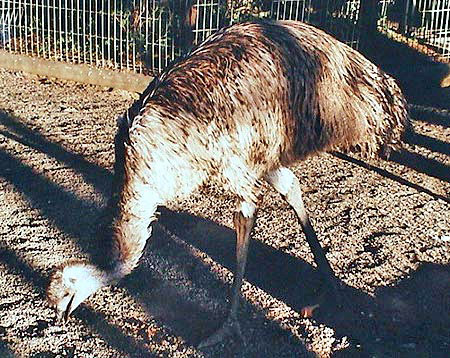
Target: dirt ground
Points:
(385, 227)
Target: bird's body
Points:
(259, 96)
(239, 109)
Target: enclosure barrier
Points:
(423, 24)
(144, 36)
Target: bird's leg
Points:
(287, 184)
(244, 220)
(294, 198)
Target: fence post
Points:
(368, 21)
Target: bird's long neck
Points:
(131, 228)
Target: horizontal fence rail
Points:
(144, 36)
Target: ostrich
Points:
(238, 110)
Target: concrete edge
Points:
(127, 81)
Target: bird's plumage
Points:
(250, 101)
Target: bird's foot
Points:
(334, 295)
(231, 327)
(308, 311)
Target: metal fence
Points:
(422, 24)
(146, 35)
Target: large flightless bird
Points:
(239, 109)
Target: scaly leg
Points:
(287, 184)
(244, 220)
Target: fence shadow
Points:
(17, 131)
(419, 163)
(430, 115)
(390, 175)
(433, 144)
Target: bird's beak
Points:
(68, 309)
(62, 315)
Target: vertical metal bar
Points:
(446, 51)
(49, 36)
(41, 14)
(22, 27)
(127, 43)
(174, 54)
(211, 18)
(109, 19)
(89, 25)
(146, 28)
(7, 18)
(53, 24)
(197, 20)
(121, 35)
(37, 28)
(436, 11)
(115, 32)
(95, 34)
(140, 34)
(297, 10)
(431, 22)
(43, 31)
(102, 33)
(153, 36)
(26, 26)
(218, 14)
(66, 33)
(31, 28)
(278, 9)
(159, 42)
(204, 28)
(18, 34)
(14, 24)
(133, 40)
(407, 14)
(85, 37)
(77, 14)
(17, 22)
(72, 30)
(99, 49)
(60, 29)
(201, 19)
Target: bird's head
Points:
(71, 285)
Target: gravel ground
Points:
(385, 227)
